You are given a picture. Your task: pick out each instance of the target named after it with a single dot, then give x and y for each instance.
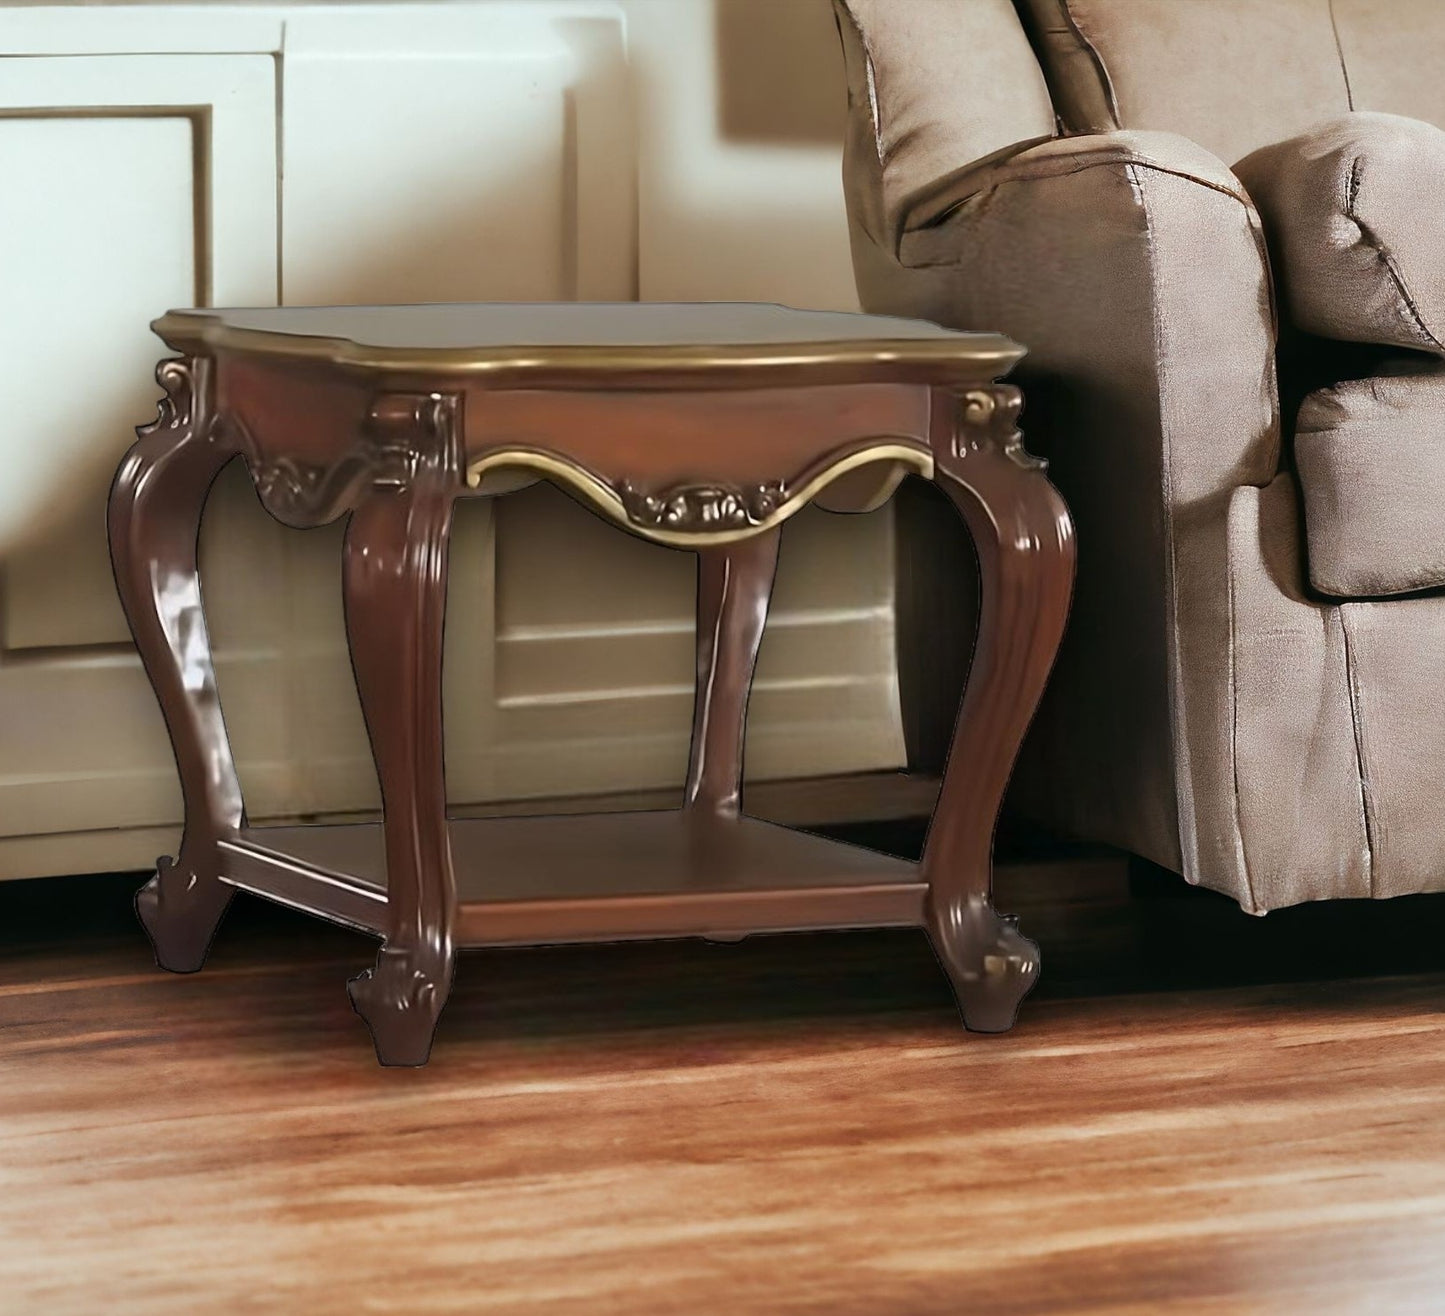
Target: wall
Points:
(740, 130)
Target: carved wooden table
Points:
(701, 427)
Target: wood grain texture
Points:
(590, 877)
(753, 436)
(785, 1125)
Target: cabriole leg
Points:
(395, 571)
(734, 584)
(154, 521)
(1025, 545)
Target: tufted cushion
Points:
(1371, 460)
(1355, 213)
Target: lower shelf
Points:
(593, 877)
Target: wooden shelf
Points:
(593, 877)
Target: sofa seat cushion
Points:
(1371, 460)
(1355, 214)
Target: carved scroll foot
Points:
(180, 911)
(990, 963)
(400, 1000)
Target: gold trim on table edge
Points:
(607, 501)
(196, 332)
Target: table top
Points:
(509, 337)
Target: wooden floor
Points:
(1198, 1112)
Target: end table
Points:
(703, 427)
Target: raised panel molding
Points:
(501, 140)
(129, 182)
(594, 650)
(89, 269)
(152, 178)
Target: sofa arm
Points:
(1133, 268)
(1167, 153)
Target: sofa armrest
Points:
(1054, 157)
(1133, 268)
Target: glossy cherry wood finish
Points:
(154, 523)
(734, 584)
(593, 877)
(628, 345)
(708, 446)
(395, 582)
(774, 435)
(1025, 544)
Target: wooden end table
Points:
(703, 427)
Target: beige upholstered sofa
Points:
(1251, 689)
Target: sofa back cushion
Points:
(933, 85)
(1235, 75)
(1394, 51)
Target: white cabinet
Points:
(478, 152)
(156, 156)
(130, 183)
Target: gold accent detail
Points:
(607, 501)
(988, 418)
(967, 355)
(181, 378)
(978, 406)
(701, 508)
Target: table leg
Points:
(734, 584)
(1025, 545)
(395, 570)
(154, 521)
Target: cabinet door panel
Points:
(71, 327)
(594, 655)
(109, 219)
(470, 153)
(133, 184)
(436, 153)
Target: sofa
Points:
(1234, 375)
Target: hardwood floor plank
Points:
(791, 1125)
